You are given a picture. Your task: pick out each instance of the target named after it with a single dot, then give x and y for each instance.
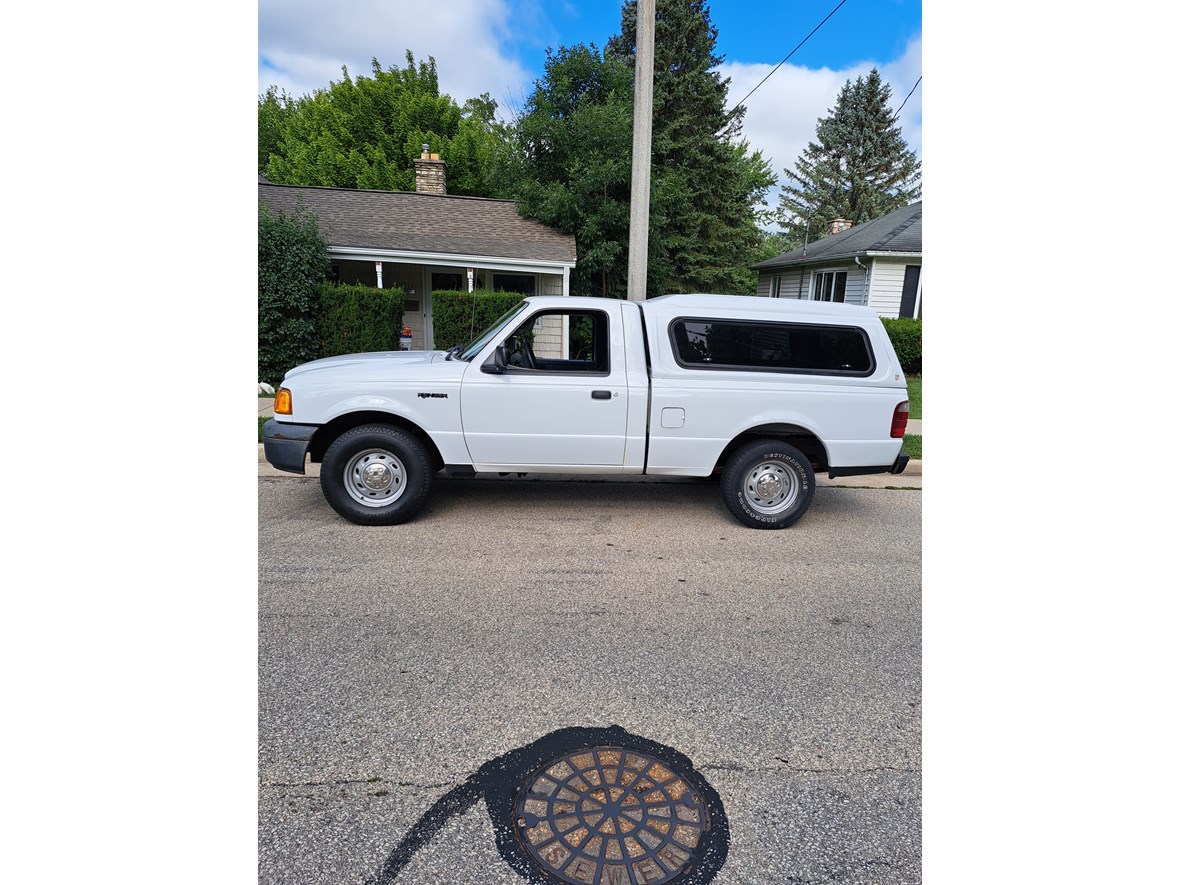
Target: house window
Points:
(447, 282)
(828, 285)
(776, 286)
(524, 285)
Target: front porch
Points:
(419, 278)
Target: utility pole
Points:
(645, 51)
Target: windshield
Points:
(469, 352)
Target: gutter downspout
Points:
(868, 272)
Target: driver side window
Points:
(562, 341)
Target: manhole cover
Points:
(610, 816)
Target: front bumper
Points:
(896, 467)
(285, 445)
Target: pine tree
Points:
(858, 168)
(706, 184)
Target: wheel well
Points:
(793, 435)
(328, 434)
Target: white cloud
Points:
(302, 44)
(782, 113)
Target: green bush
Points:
(906, 335)
(359, 319)
(292, 260)
(460, 316)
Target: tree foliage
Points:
(365, 132)
(858, 168)
(706, 185)
(709, 186)
(575, 138)
(292, 261)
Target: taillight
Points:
(900, 416)
(283, 402)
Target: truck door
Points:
(560, 399)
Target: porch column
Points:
(377, 264)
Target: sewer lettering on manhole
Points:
(610, 816)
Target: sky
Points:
(499, 47)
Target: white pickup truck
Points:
(762, 391)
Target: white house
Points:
(878, 263)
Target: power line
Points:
(907, 98)
(789, 54)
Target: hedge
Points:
(906, 335)
(454, 322)
(359, 319)
(292, 260)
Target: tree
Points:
(858, 168)
(575, 141)
(365, 133)
(707, 186)
(575, 149)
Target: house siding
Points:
(888, 279)
(549, 341)
(550, 284)
(789, 287)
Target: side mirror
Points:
(497, 362)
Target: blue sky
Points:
(498, 47)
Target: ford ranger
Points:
(762, 392)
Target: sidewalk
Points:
(910, 479)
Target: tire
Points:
(767, 484)
(376, 475)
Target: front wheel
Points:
(768, 484)
(376, 475)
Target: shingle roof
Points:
(413, 222)
(897, 231)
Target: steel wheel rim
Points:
(375, 477)
(771, 487)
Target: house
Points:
(425, 240)
(878, 263)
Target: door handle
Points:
(600, 394)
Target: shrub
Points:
(292, 260)
(906, 335)
(359, 319)
(460, 316)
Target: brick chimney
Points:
(430, 173)
(836, 225)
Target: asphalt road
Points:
(402, 670)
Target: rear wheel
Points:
(768, 484)
(376, 475)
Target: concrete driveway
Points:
(405, 672)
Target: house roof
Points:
(899, 231)
(407, 221)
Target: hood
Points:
(394, 359)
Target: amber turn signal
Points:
(283, 402)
